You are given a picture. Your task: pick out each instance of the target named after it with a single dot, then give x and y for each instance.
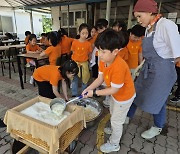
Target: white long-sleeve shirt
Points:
(166, 39)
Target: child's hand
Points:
(88, 93)
(38, 51)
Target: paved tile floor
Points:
(168, 142)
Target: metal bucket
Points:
(92, 102)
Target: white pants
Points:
(118, 113)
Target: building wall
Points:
(23, 22)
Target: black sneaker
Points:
(175, 100)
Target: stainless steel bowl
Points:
(94, 103)
(59, 101)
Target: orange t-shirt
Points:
(26, 41)
(118, 75)
(93, 39)
(66, 44)
(123, 53)
(53, 53)
(48, 73)
(178, 64)
(34, 48)
(134, 48)
(81, 50)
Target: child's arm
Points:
(107, 91)
(56, 93)
(42, 54)
(64, 89)
(95, 84)
(140, 58)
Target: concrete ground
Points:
(168, 142)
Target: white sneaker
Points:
(126, 121)
(31, 81)
(108, 130)
(108, 147)
(152, 132)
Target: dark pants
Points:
(95, 68)
(159, 119)
(45, 89)
(177, 93)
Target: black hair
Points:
(32, 36)
(110, 40)
(69, 66)
(43, 34)
(9, 35)
(138, 30)
(101, 23)
(63, 32)
(55, 37)
(121, 24)
(27, 33)
(94, 28)
(126, 38)
(83, 26)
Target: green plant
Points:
(47, 24)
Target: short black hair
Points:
(83, 26)
(69, 66)
(63, 32)
(55, 37)
(120, 23)
(27, 33)
(43, 34)
(138, 30)
(101, 23)
(32, 36)
(110, 40)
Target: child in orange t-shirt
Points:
(53, 51)
(27, 34)
(135, 47)
(32, 47)
(114, 71)
(65, 43)
(48, 76)
(81, 50)
(93, 36)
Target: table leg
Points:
(20, 72)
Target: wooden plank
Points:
(23, 150)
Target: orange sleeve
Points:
(73, 46)
(90, 47)
(48, 50)
(101, 66)
(26, 40)
(54, 79)
(178, 64)
(27, 47)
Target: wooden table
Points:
(35, 56)
(18, 46)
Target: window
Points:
(73, 16)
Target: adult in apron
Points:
(156, 78)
